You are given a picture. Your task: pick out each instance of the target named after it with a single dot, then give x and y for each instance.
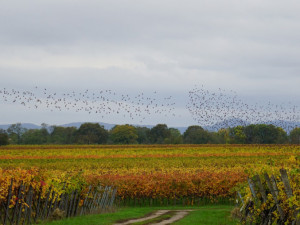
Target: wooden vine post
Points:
(30, 206)
(259, 196)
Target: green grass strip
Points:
(208, 216)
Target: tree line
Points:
(93, 133)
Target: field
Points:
(148, 175)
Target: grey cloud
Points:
(249, 46)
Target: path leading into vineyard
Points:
(160, 217)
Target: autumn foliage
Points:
(143, 172)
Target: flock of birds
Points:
(213, 109)
(102, 102)
(222, 109)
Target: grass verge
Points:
(209, 216)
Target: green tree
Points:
(35, 136)
(265, 134)
(63, 135)
(91, 133)
(224, 135)
(295, 136)
(220, 137)
(143, 135)
(282, 137)
(196, 135)
(258, 134)
(15, 132)
(44, 134)
(124, 134)
(237, 135)
(3, 137)
(175, 137)
(159, 133)
(268, 134)
(250, 133)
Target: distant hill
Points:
(232, 122)
(24, 125)
(107, 126)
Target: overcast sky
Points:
(249, 46)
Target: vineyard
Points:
(150, 174)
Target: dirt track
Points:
(177, 216)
